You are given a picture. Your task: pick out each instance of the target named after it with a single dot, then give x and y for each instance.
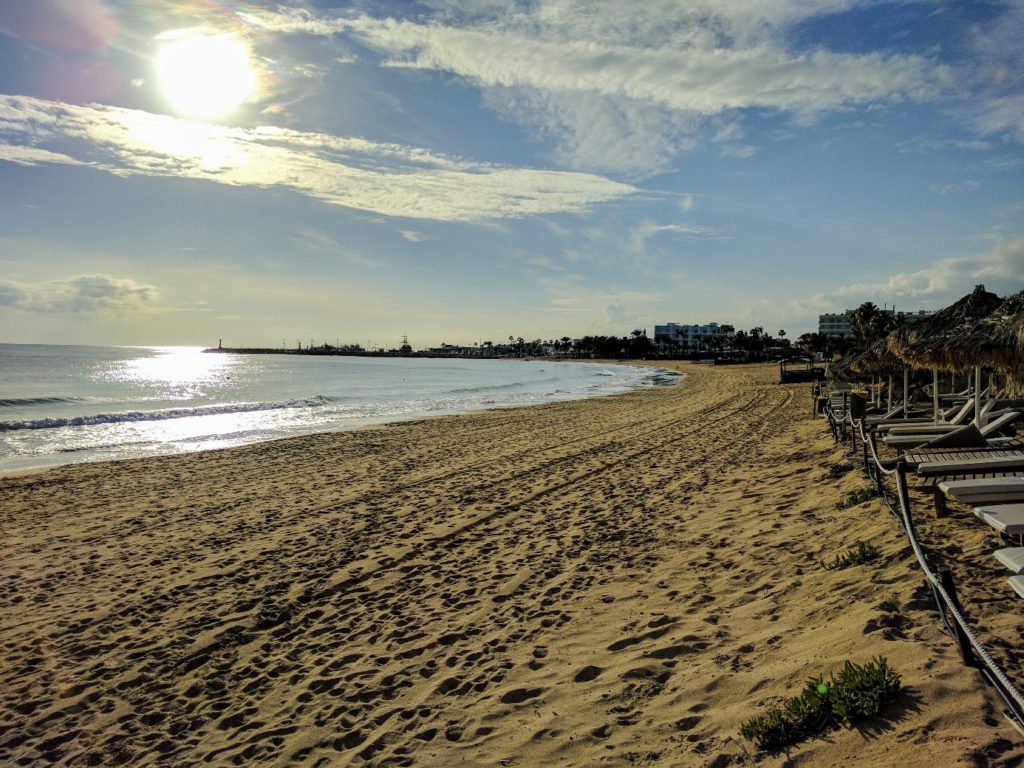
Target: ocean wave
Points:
(161, 415)
(498, 387)
(20, 402)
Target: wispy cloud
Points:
(80, 293)
(640, 78)
(389, 179)
(647, 229)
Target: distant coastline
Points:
(329, 351)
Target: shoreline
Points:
(617, 580)
(660, 376)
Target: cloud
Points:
(389, 179)
(33, 155)
(602, 132)
(997, 73)
(639, 79)
(412, 236)
(925, 144)
(938, 283)
(647, 229)
(81, 293)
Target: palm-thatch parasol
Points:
(926, 343)
(995, 340)
(840, 370)
(877, 360)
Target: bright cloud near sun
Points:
(388, 179)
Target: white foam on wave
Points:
(159, 415)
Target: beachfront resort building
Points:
(841, 324)
(696, 337)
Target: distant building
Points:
(698, 337)
(841, 324)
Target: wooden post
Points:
(906, 392)
(935, 393)
(966, 652)
(977, 396)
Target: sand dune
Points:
(616, 582)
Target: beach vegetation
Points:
(839, 468)
(859, 554)
(857, 496)
(855, 694)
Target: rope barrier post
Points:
(873, 436)
(864, 448)
(966, 653)
(846, 410)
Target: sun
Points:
(204, 75)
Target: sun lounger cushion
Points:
(1017, 582)
(1007, 518)
(1012, 558)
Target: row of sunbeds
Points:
(978, 464)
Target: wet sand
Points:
(619, 581)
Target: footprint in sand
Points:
(587, 674)
(519, 695)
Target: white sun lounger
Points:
(1005, 518)
(991, 490)
(1017, 582)
(1011, 484)
(904, 440)
(962, 416)
(1012, 558)
(966, 467)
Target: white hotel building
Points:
(690, 336)
(840, 324)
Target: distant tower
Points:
(405, 349)
(220, 343)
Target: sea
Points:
(68, 404)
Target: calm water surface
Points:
(65, 404)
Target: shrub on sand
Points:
(857, 693)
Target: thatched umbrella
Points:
(877, 360)
(926, 343)
(841, 370)
(995, 340)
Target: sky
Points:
(466, 170)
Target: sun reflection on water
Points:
(174, 373)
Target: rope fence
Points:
(972, 652)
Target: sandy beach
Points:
(619, 581)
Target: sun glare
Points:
(204, 75)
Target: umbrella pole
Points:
(935, 393)
(888, 408)
(906, 392)
(977, 396)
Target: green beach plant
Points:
(839, 468)
(857, 693)
(858, 496)
(859, 554)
